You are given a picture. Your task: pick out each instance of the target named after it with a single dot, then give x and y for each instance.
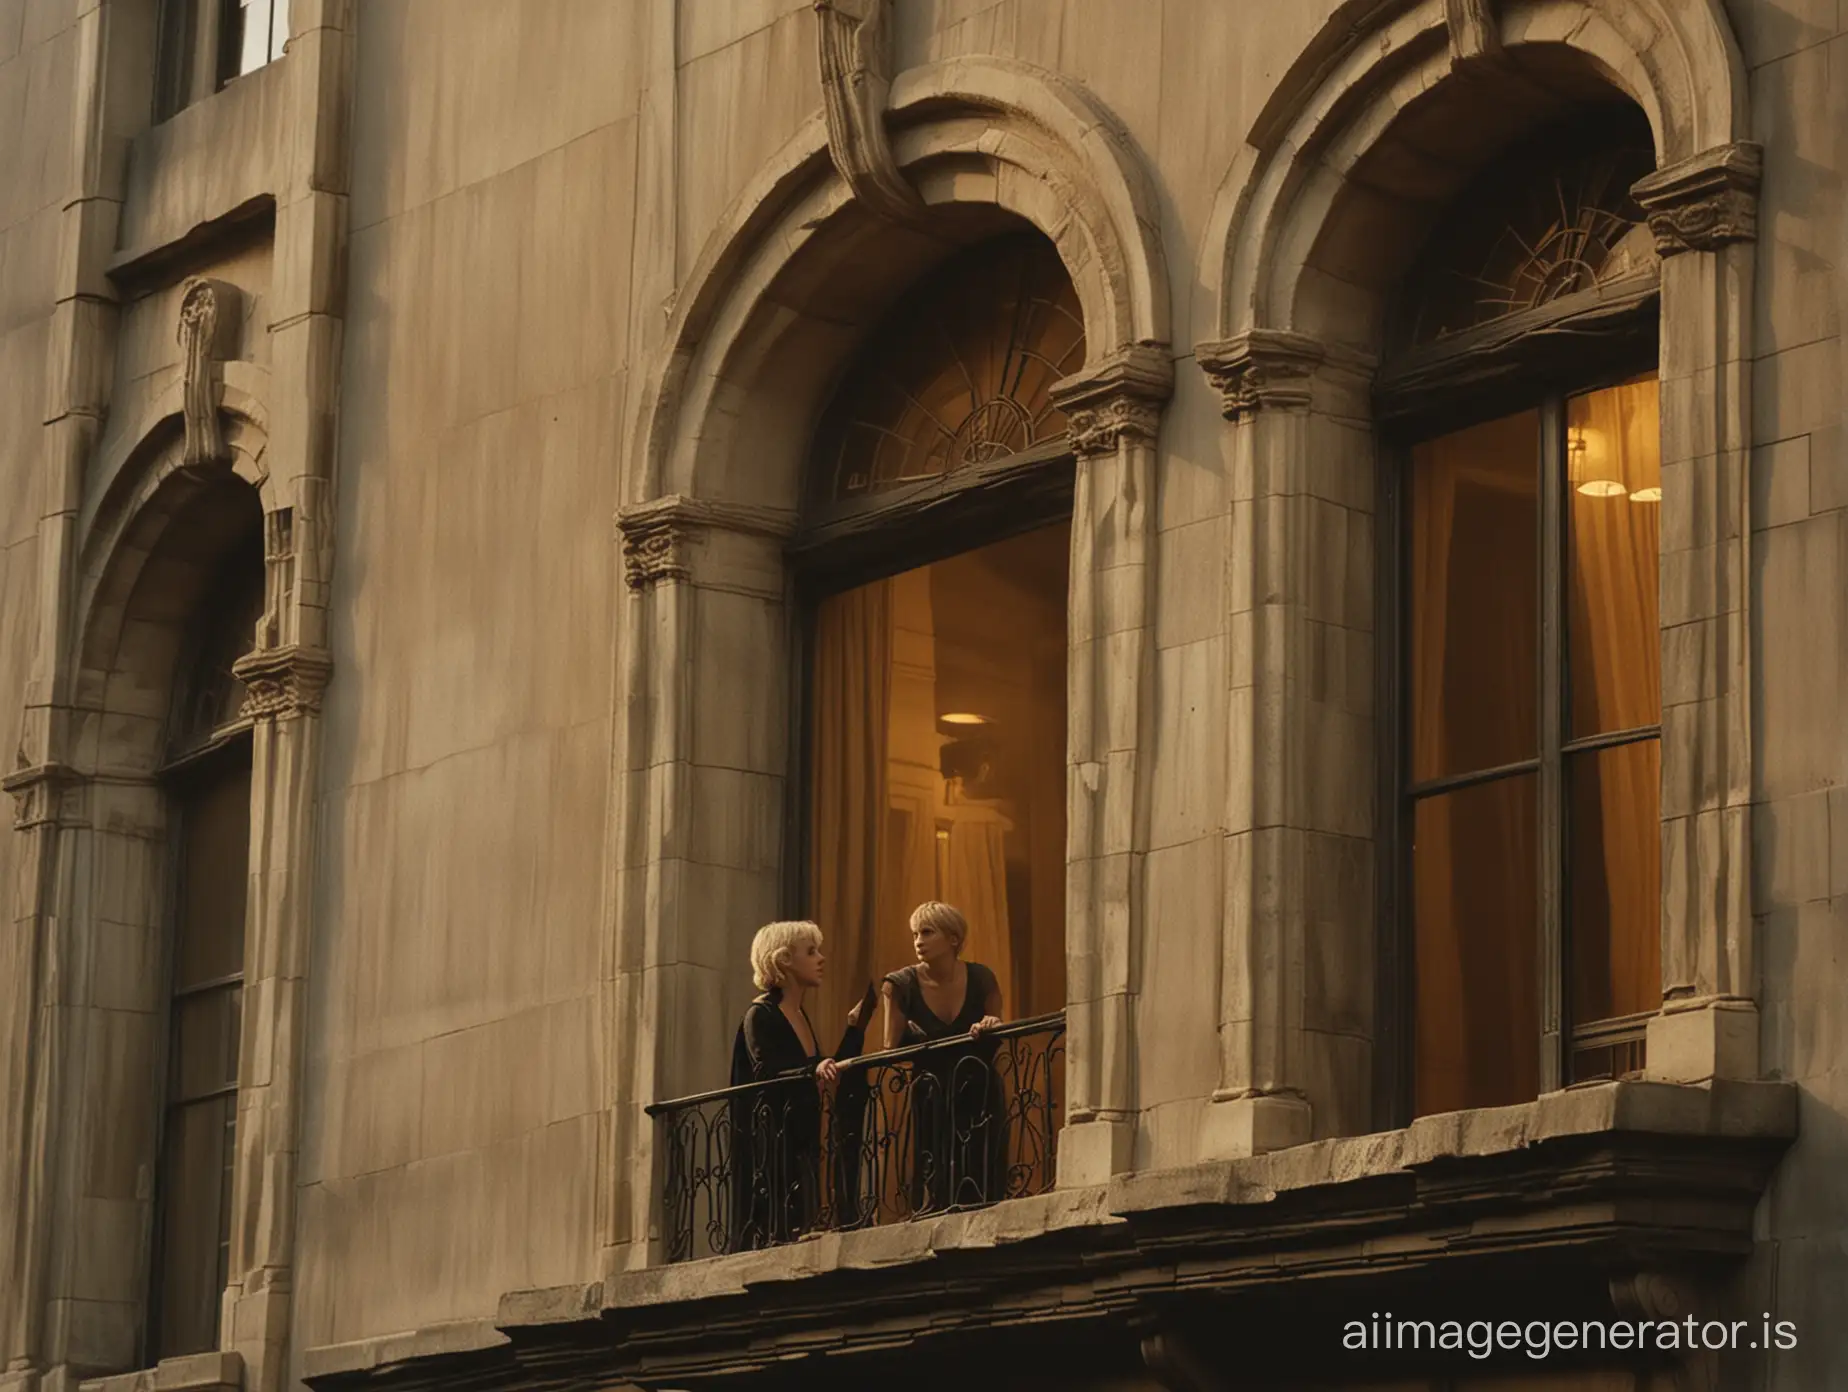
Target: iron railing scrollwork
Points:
(930, 1128)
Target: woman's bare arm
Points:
(894, 1016)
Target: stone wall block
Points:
(1791, 850)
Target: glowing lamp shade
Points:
(1646, 495)
(1589, 463)
(962, 718)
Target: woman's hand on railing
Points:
(983, 1025)
(826, 1072)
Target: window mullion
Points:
(1553, 676)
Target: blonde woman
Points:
(958, 1110)
(776, 1131)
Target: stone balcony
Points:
(1589, 1203)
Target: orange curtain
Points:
(1616, 685)
(853, 696)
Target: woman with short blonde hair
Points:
(959, 1126)
(776, 1132)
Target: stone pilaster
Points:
(1703, 212)
(1299, 824)
(706, 614)
(1113, 416)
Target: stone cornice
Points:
(657, 535)
(36, 791)
(1704, 202)
(1118, 400)
(283, 682)
(1261, 368)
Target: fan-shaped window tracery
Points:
(1552, 219)
(959, 374)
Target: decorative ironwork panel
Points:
(927, 1129)
(960, 373)
(1553, 219)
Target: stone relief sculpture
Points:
(856, 78)
(1473, 32)
(208, 325)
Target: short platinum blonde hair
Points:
(774, 945)
(945, 918)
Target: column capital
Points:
(37, 791)
(658, 535)
(1261, 368)
(284, 681)
(1705, 201)
(1117, 399)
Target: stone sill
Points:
(197, 1372)
(433, 1341)
(1719, 1110)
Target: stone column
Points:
(283, 697)
(1113, 411)
(1295, 1020)
(1703, 212)
(700, 802)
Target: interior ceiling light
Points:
(1646, 495)
(1602, 488)
(963, 718)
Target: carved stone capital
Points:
(282, 682)
(855, 53)
(207, 334)
(658, 535)
(37, 791)
(1261, 368)
(1705, 201)
(1118, 400)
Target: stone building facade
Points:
(455, 454)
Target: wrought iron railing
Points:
(929, 1128)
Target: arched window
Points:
(207, 781)
(1526, 780)
(933, 559)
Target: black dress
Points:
(775, 1170)
(958, 1111)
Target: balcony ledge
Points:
(1591, 1184)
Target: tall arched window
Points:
(207, 780)
(934, 559)
(1526, 781)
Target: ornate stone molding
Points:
(207, 334)
(854, 45)
(1673, 1298)
(1473, 30)
(1705, 201)
(1118, 401)
(37, 791)
(658, 536)
(1261, 368)
(282, 682)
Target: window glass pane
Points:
(1473, 596)
(1613, 468)
(939, 768)
(1615, 870)
(1475, 912)
(190, 1276)
(179, 23)
(205, 1042)
(214, 817)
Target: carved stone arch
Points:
(796, 273)
(1375, 58)
(985, 131)
(1375, 128)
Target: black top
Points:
(923, 1023)
(767, 1044)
